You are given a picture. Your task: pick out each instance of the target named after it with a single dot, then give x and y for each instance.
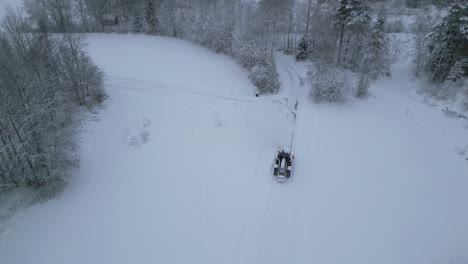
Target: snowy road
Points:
(177, 170)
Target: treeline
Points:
(346, 36)
(244, 30)
(249, 31)
(45, 82)
(349, 41)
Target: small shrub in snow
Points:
(138, 133)
(329, 84)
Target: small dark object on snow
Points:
(256, 94)
(283, 165)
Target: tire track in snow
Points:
(283, 208)
(204, 217)
(295, 96)
(148, 86)
(276, 209)
(279, 204)
(293, 198)
(251, 239)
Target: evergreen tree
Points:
(458, 70)
(352, 15)
(448, 44)
(304, 48)
(150, 17)
(137, 23)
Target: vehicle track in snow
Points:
(254, 235)
(285, 204)
(297, 94)
(146, 86)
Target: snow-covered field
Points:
(176, 169)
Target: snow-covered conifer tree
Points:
(137, 22)
(352, 15)
(150, 17)
(448, 43)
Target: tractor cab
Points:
(283, 165)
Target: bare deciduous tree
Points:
(38, 104)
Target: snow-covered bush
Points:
(253, 50)
(329, 84)
(265, 77)
(260, 64)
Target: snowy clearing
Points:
(178, 170)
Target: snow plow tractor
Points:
(283, 166)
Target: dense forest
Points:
(47, 80)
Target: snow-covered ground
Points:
(177, 170)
